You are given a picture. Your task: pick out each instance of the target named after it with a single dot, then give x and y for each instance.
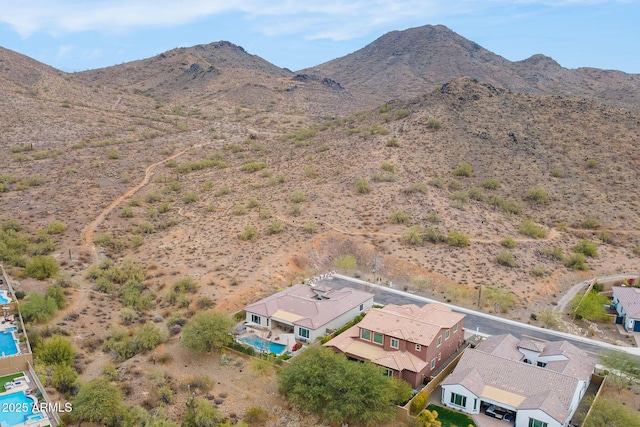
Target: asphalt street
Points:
(482, 323)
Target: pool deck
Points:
(274, 336)
(28, 386)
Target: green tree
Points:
(56, 293)
(611, 413)
(206, 331)
(326, 383)
(148, 336)
(42, 267)
(99, 402)
(622, 368)
(201, 413)
(38, 308)
(428, 418)
(590, 306)
(419, 402)
(56, 350)
(64, 378)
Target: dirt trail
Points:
(89, 231)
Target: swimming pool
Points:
(16, 408)
(8, 345)
(4, 297)
(263, 345)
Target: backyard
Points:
(450, 418)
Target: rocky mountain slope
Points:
(404, 64)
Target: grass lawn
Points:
(450, 418)
(7, 379)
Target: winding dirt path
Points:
(84, 288)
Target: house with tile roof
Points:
(627, 302)
(408, 341)
(309, 312)
(533, 383)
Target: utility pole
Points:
(375, 266)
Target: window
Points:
(458, 399)
(439, 340)
(304, 333)
(365, 334)
(267, 321)
(377, 338)
(446, 335)
(361, 307)
(418, 347)
(542, 364)
(255, 318)
(455, 328)
(394, 343)
(475, 404)
(388, 372)
(433, 363)
(536, 423)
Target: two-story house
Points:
(408, 341)
(531, 383)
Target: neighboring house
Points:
(410, 342)
(309, 312)
(537, 384)
(627, 303)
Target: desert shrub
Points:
(148, 336)
(538, 270)
(604, 236)
(56, 350)
(250, 233)
(253, 167)
(384, 177)
(538, 195)
(222, 191)
(475, 193)
(145, 227)
(460, 197)
(207, 330)
(437, 182)
(208, 186)
(298, 196)
(42, 267)
(56, 227)
(434, 124)
(491, 183)
(531, 229)
(296, 209)
(362, 186)
(393, 142)
(310, 171)
(419, 402)
(401, 114)
(508, 242)
(508, 205)
(414, 235)
(455, 185)
(153, 197)
(463, 169)
(126, 213)
(557, 172)
(56, 293)
(256, 415)
(418, 187)
(174, 186)
(457, 238)
(587, 248)
(434, 235)
(274, 228)
(310, 227)
(590, 223)
(278, 179)
(506, 258)
(190, 198)
(399, 217)
(264, 214)
(576, 262)
(185, 285)
(592, 163)
(239, 210)
(346, 262)
(165, 394)
(554, 253)
(388, 167)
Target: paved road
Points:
(477, 321)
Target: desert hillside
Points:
(217, 178)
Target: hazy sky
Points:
(75, 35)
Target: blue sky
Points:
(75, 35)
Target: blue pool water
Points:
(8, 345)
(4, 298)
(260, 344)
(18, 408)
